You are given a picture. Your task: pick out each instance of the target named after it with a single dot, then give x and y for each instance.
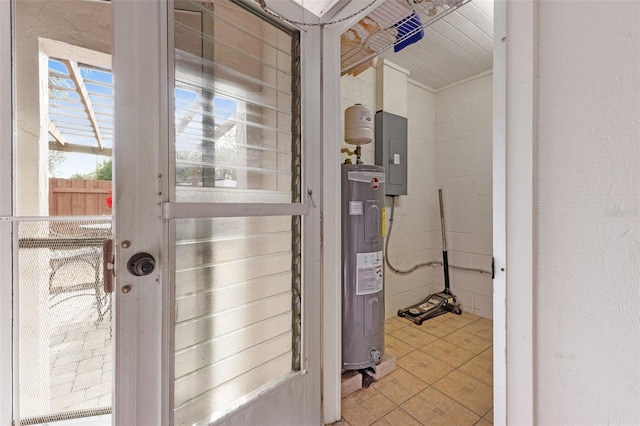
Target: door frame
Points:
(513, 211)
(499, 216)
(8, 388)
(506, 307)
(515, 102)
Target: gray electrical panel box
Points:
(391, 151)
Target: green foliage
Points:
(103, 171)
(80, 176)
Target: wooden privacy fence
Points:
(78, 197)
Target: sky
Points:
(67, 112)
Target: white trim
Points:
(468, 79)
(6, 339)
(421, 85)
(457, 83)
(140, 42)
(167, 164)
(6, 111)
(385, 62)
(499, 215)
(61, 50)
(208, 210)
(311, 75)
(331, 228)
(6, 209)
(290, 10)
(351, 7)
(521, 21)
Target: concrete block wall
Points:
(450, 147)
(411, 240)
(463, 170)
(359, 90)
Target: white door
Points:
(214, 179)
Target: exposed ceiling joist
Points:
(76, 77)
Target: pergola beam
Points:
(56, 133)
(192, 110)
(82, 149)
(76, 77)
(224, 128)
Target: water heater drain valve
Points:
(375, 355)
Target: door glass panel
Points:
(64, 142)
(237, 279)
(235, 305)
(235, 113)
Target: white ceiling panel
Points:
(317, 7)
(455, 47)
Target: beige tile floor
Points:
(444, 376)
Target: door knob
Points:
(141, 264)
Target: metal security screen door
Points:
(211, 183)
(56, 123)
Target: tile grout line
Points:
(476, 354)
(460, 402)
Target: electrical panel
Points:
(391, 151)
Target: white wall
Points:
(411, 239)
(463, 168)
(358, 90)
(413, 226)
(587, 264)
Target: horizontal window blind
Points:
(237, 279)
(233, 106)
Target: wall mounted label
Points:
(355, 208)
(369, 272)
